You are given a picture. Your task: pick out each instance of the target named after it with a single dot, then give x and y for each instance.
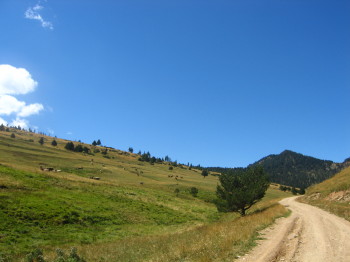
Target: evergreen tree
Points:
(86, 149)
(41, 141)
(69, 146)
(131, 150)
(240, 189)
(98, 142)
(13, 135)
(194, 191)
(302, 191)
(94, 143)
(205, 173)
(54, 143)
(2, 127)
(78, 148)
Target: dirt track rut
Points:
(309, 234)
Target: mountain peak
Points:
(295, 169)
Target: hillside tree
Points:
(302, 191)
(54, 143)
(78, 148)
(69, 146)
(41, 141)
(194, 191)
(205, 173)
(240, 189)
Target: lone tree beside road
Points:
(240, 189)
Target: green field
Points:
(130, 214)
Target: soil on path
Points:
(309, 234)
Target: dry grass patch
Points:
(221, 241)
(332, 194)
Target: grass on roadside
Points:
(332, 194)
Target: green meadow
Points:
(133, 211)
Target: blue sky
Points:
(216, 83)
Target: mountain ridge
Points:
(295, 169)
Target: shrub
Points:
(35, 256)
(13, 135)
(86, 149)
(38, 256)
(205, 173)
(69, 146)
(41, 141)
(78, 148)
(194, 191)
(54, 143)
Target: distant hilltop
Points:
(297, 170)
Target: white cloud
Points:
(32, 109)
(20, 122)
(3, 122)
(10, 105)
(33, 13)
(15, 81)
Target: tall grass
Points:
(221, 241)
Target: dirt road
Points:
(309, 234)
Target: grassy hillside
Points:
(332, 194)
(132, 202)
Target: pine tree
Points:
(205, 173)
(69, 146)
(78, 148)
(194, 191)
(240, 189)
(54, 143)
(41, 141)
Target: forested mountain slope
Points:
(296, 170)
